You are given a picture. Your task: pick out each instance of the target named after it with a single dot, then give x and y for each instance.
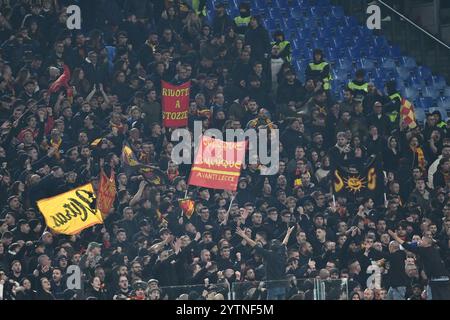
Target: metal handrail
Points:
(414, 24)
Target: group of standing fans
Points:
(279, 234)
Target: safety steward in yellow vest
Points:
(319, 70)
(392, 107)
(359, 86)
(243, 19)
(283, 45)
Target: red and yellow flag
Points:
(106, 193)
(407, 114)
(187, 206)
(218, 164)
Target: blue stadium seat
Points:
(424, 103)
(345, 64)
(395, 52)
(271, 24)
(430, 92)
(275, 13)
(438, 82)
(351, 21)
(338, 12)
(300, 3)
(340, 74)
(411, 94)
(331, 54)
(444, 103)
(292, 23)
(354, 53)
(420, 116)
(408, 62)
(365, 63)
(403, 73)
(424, 72)
(416, 82)
(297, 12)
(380, 41)
(281, 3)
(258, 4)
(388, 63)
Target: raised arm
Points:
(288, 235)
(242, 234)
(396, 237)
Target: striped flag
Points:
(407, 114)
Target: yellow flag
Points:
(71, 212)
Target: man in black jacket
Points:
(258, 38)
(274, 262)
(433, 265)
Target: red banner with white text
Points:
(217, 164)
(175, 104)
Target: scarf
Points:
(420, 157)
(172, 175)
(56, 146)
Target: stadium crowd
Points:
(279, 234)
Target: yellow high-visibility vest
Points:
(353, 86)
(320, 67)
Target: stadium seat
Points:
(444, 103)
(340, 74)
(424, 103)
(430, 92)
(275, 13)
(411, 94)
(281, 3)
(388, 63)
(297, 12)
(420, 116)
(408, 62)
(438, 82)
(394, 51)
(424, 73)
(416, 82)
(447, 92)
(403, 73)
(338, 12)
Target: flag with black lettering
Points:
(71, 212)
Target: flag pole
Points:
(231, 203)
(334, 200)
(45, 230)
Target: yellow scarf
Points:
(420, 157)
(56, 146)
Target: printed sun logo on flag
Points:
(355, 184)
